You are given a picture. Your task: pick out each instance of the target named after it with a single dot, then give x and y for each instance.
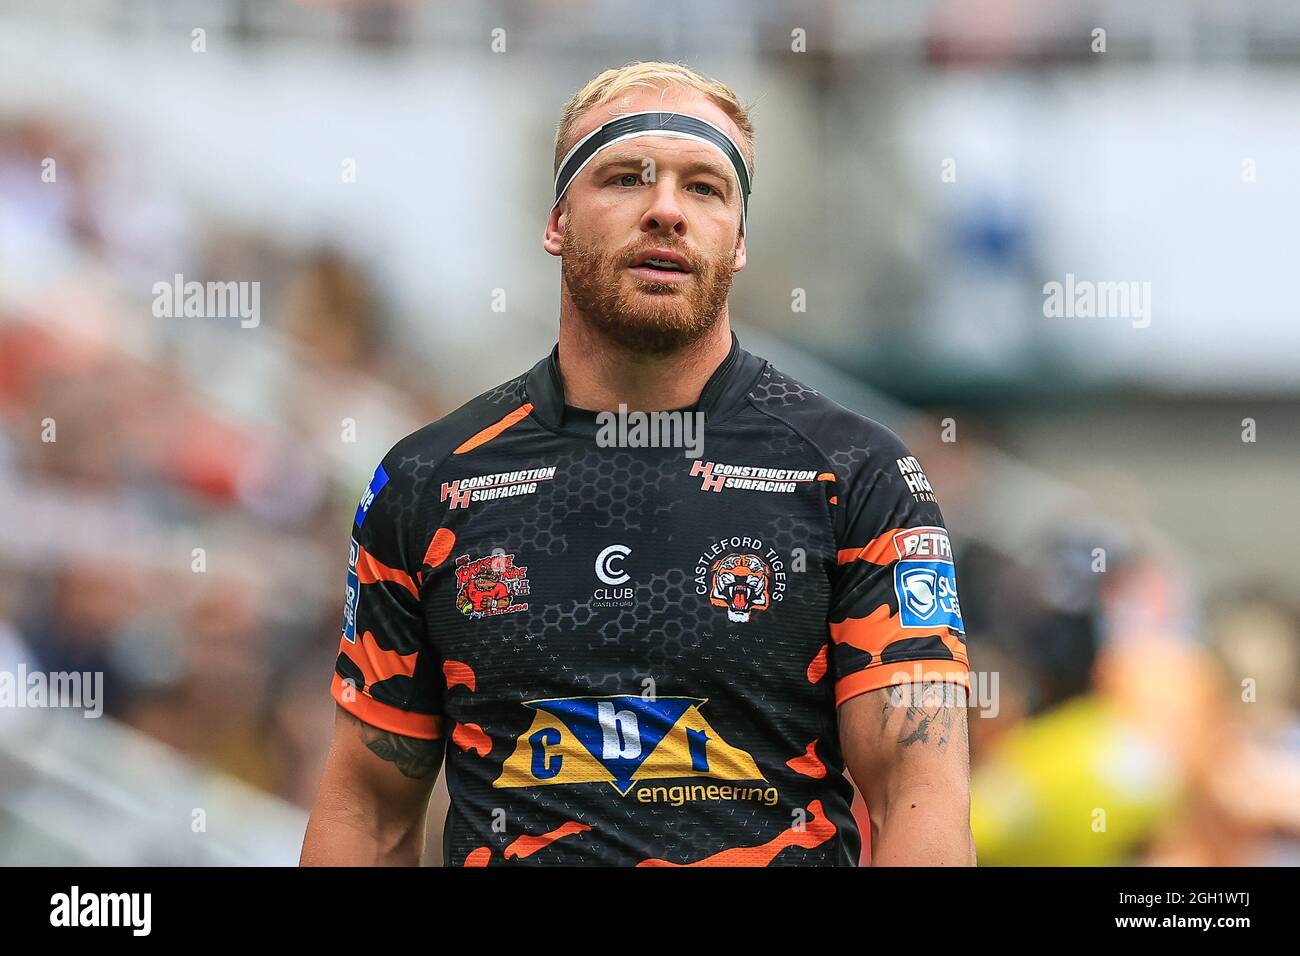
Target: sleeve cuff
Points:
(385, 716)
(901, 672)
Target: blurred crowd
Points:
(178, 498)
(178, 494)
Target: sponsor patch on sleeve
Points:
(377, 482)
(350, 597)
(925, 580)
(917, 483)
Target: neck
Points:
(600, 374)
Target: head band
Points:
(676, 125)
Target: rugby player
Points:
(623, 654)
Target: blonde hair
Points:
(613, 83)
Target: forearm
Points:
(342, 833)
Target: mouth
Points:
(660, 265)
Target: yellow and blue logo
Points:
(621, 740)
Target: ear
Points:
(740, 254)
(553, 237)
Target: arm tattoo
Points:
(929, 713)
(416, 758)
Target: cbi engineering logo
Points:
(925, 579)
(489, 586)
(623, 740)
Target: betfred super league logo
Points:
(925, 580)
(490, 585)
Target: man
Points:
(682, 654)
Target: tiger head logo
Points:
(741, 583)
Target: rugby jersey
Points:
(635, 656)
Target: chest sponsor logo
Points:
(491, 585)
(609, 571)
(925, 580)
(464, 492)
(621, 740)
(716, 475)
(742, 575)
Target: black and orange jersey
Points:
(635, 656)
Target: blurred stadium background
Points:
(382, 171)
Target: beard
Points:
(654, 318)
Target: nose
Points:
(665, 213)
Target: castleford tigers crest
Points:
(742, 583)
(742, 575)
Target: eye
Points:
(628, 179)
(711, 191)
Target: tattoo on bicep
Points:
(416, 758)
(929, 712)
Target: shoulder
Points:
(849, 441)
(417, 457)
(409, 468)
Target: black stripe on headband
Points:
(625, 126)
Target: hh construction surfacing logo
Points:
(715, 476)
(624, 740)
(462, 492)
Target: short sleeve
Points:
(386, 673)
(894, 615)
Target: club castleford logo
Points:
(609, 564)
(489, 585)
(623, 740)
(610, 572)
(742, 575)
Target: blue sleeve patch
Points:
(927, 594)
(376, 485)
(350, 597)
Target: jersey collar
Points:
(723, 393)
